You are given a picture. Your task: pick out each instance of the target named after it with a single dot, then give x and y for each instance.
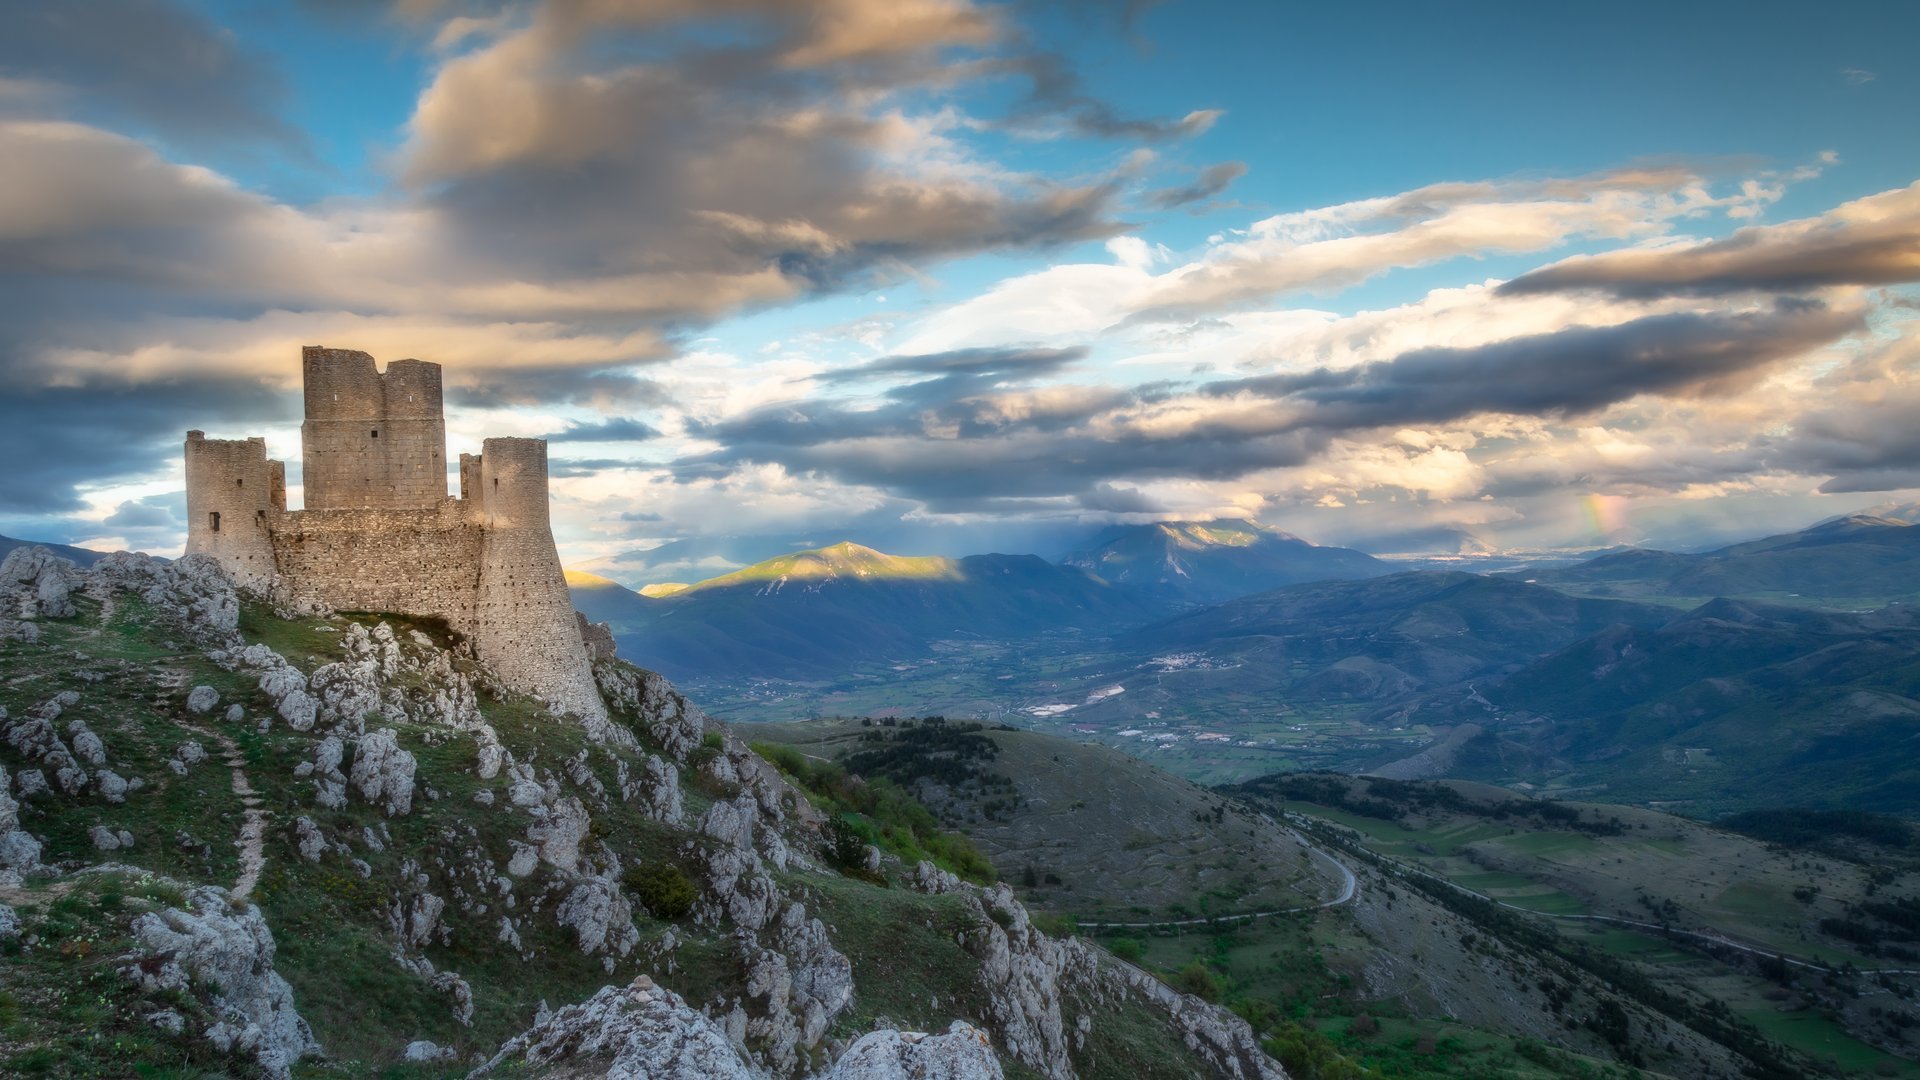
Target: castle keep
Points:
(379, 532)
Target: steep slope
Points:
(1210, 561)
(1052, 812)
(1851, 559)
(252, 840)
(813, 614)
(1734, 705)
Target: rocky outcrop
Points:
(640, 1031)
(600, 917)
(384, 772)
(963, 1053)
(19, 852)
(38, 584)
(223, 950)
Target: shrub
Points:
(1197, 980)
(1126, 948)
(662, 888)
(846, 848)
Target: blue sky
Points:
(1185, 260)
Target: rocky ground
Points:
(241, 842)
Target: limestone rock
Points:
(557, 831)
(600, 916)
(86, 745)
(312, 842)
(38, 582)
(226, 951)
(421, 1050)
(963, 1053)
(202, 699)
(383, 772)
(636, 1032)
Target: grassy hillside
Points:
(453, 918)
(1671, 899)
(1081, 829)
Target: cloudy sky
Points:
(949, 275)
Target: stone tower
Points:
(379, 532)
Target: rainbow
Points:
(1606, 513)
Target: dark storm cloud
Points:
(151, 62)
(1872, 241)
(54, 441)
(1863, 446)
(1563, 373)
(983, 361)
(617, 429)
(1212, 180)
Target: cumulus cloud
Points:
(1870, 241)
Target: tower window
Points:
(213, 521)
(376, 433)
(239, 482)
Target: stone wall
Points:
(412, 562)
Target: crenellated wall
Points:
(379, 532)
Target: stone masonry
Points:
(379, 532)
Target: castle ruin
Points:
(380, 533)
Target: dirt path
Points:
(253, 822)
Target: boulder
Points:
(223, 949)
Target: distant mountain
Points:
(81, 556)
(1385, 638)
(816, 613)
(1211, 561)
(1855, 558)
(1731, 706)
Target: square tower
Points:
(371, 438)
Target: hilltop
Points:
(1211, 561)
(1843, 561)
(78, 555)
(272, 846)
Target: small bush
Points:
(1197, 980)
(662, 888)
(1126, 948)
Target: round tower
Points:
(524, 624)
